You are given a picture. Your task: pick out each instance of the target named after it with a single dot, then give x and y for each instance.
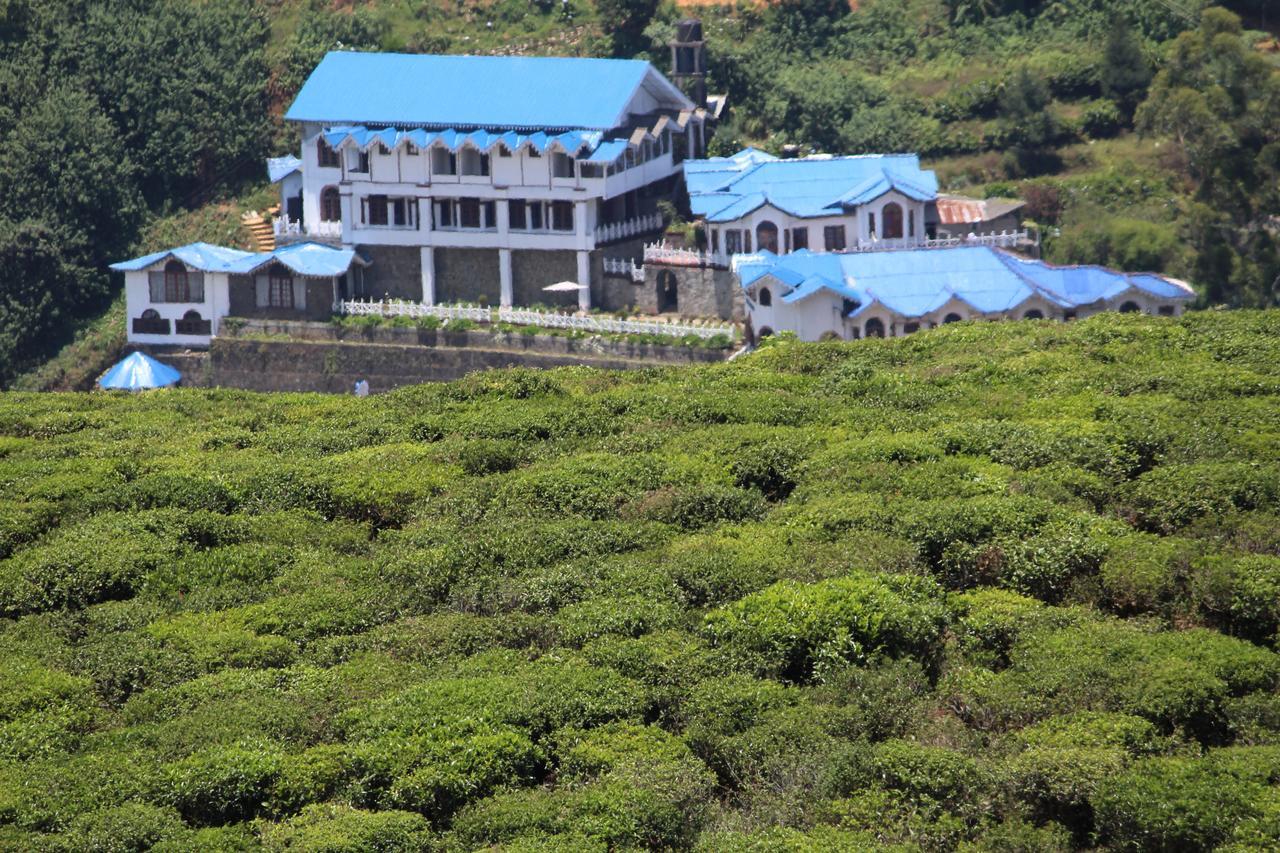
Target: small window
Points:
(833, 238)
(280, 288)
(1165, 310)
(893, 221)
(326, 155)
(952, 318)
(444, 214)
(469, 212)
(534, 152)
(766, 298)
(383, 149)
(503, 151)
(799, 239)
(715, 240)
(1130, 308)
(376, 206)
(516, 220)
(590, 170)
(562, 216)
(911, 223)
(732, 241)
(875, 328)
(358, 162)
(1033, 314)
(330, 205)
(871, 224)
(910, 327)
(537, 220)
(490, 214)
(411, 149)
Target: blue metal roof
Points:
(495, 92)
(279, 168)
(915, 282)
(137, 372)
(314, 259)
(201, 256)
(728, 188)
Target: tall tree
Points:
(1027, 125)
(1125, 71)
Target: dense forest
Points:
(1142, 135)
(993, 587)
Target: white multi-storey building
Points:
(486, 178)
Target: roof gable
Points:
(507, 92)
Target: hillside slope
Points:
(1011, 586)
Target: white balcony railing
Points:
(628, 228)
(285, 227)
(624, 267)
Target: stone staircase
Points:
(260, 231)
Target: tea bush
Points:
(987, 587)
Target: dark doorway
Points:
(293, 208)
(668, 297)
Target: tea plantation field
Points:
(991, 587)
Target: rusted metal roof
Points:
(958, 210)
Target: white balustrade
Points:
(624, 267)
(285, 227)
(628, 228)
(665, 254)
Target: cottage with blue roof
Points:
(180, 296)
(890, 293)
(486, 178)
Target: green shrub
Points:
(222, 784)
(131, 826)
(1172, 496)
(795, 629)
(333, 828)
(1185, 803)
(1241, 594)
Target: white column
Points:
(584, 278)
(428, 275)
(504, 277)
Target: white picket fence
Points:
(403, 308)
(629, 228)
(624, 267)
(285, 227)
(1003, 240)
(589, 323)
(531, 317)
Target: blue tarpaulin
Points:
(138, 372)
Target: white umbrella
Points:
(563, 287)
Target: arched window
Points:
(175, 282)
(1129, 308)
(765, 332)
(908, 328)
(766, 298)
(767, 237)
(151, 314)
(192, 324)
(330, 205)
(874, 328)
(892, 214)
(952, 318)
(1033, 314)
